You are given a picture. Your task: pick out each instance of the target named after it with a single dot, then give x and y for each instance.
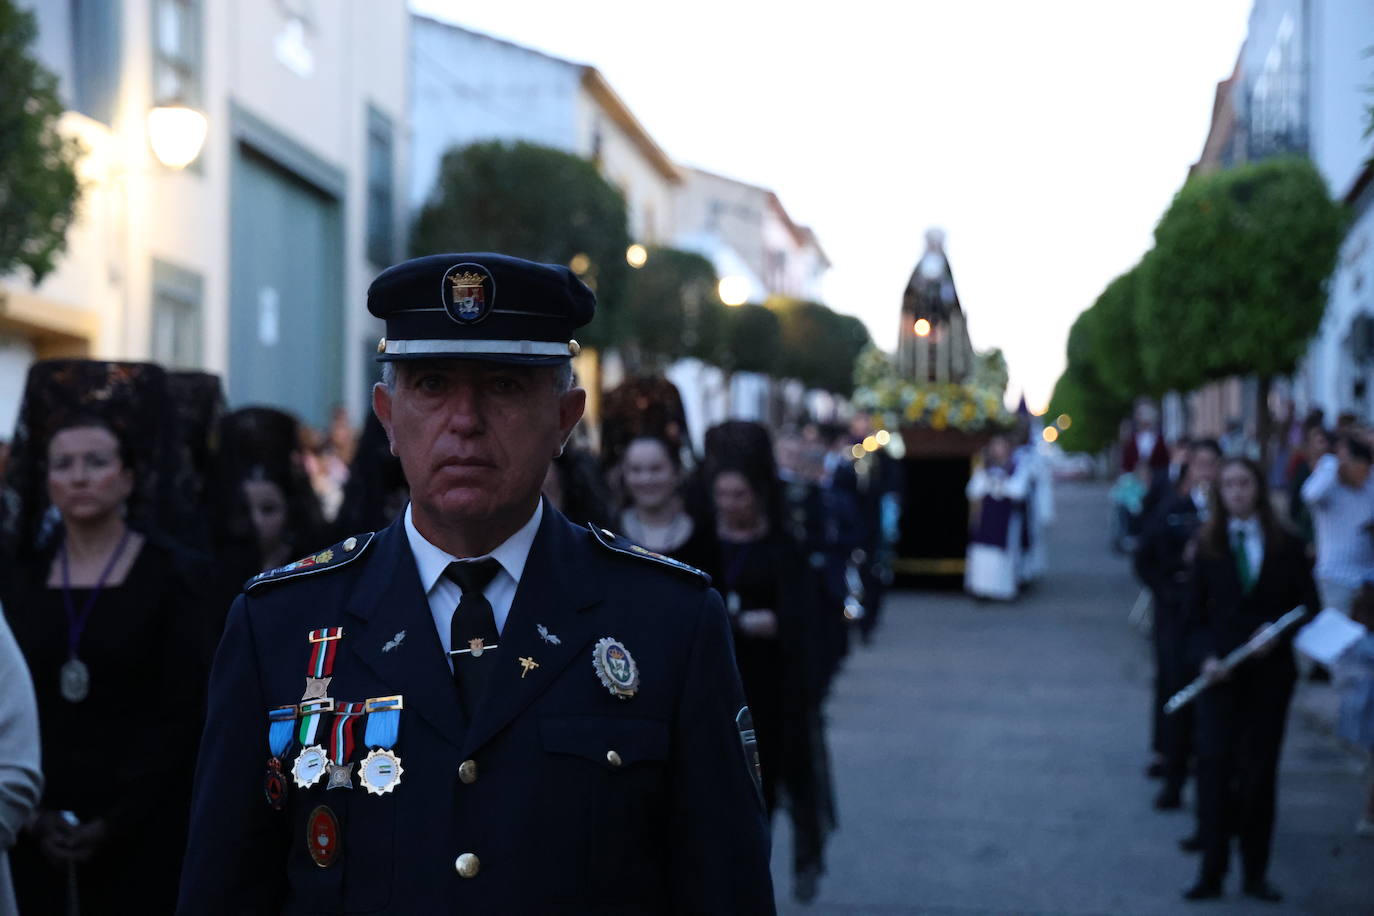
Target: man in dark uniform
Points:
(481, 708)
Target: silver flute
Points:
(1234, 658)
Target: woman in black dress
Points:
(112, 633)
(770, 594)
(654, 516)
(1248, 573)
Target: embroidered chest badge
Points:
(615, 668)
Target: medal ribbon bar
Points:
(324, 645)
(280, 723)
(383, 721)
(341, 736)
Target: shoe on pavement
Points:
(1263, 890)
(1365, 827)
(1203, 890)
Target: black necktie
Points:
(473, 630)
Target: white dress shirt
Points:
(444, 594)
(1254, 543)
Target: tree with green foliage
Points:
(533, 202)
(670, 306)
(750, 340)
(1093, 419)
(38, 184)
(1236, 282)
(1095, 408)
(1115, 340)
(819, 346)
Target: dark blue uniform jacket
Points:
(675, 825)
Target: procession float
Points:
(946, 401)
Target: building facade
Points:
(467, 87)
(253, 261)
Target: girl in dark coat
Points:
(1249, 572)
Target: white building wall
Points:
(648, 192)
(1341, 71)
(134, 210)
(467, 87)
(1340, 34)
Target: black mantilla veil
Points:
(376, 491)
(746, 447)
(264, 443)
(197, 401)
(134, 399)
(644, 406)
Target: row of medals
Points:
(379, 773)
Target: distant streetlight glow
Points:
(580, 264)
(176, 134)
(870, 443)
(733, 290)
(883, 436)
(857, 451)
(1064, 421)
(1050, 434)
(922, 327)
(636, 256)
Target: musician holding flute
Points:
(1249, 572)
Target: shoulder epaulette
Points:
(341, 554)
(617, 544)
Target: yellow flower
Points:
(913, 411)
(940, 420)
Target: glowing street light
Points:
(176, 134)
(883, 437)
(1064, 421)
(580, 264)
(1050, 433)
(636, 256)
(922, 327)
(733, 290)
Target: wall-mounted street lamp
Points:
(176, 133)
(733, 290)
(636, 256)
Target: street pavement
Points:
(989, 758)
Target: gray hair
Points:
(562, 376)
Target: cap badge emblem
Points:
(468, 291)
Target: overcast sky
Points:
(1045, 138)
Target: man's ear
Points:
(381, 406)
(571, 406)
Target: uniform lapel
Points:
(554, 591)
(389, 601)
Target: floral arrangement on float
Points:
(973, 406)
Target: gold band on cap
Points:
(574, 348)
(474, 348)
(381, 345)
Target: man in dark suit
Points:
(502, 712)
(1163, 561)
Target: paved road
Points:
(988, 759)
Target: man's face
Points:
(475, 439)
(1202, 469)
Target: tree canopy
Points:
(1236, 282)
(670, 308)
(38, 184)
(533, 202)
(819, 347)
